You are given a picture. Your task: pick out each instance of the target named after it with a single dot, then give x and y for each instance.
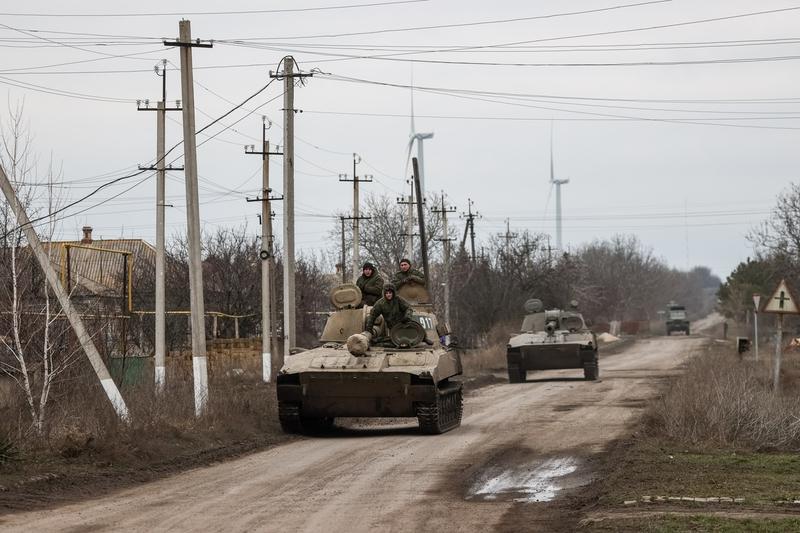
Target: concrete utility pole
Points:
(110, 388)
(160, 168)
(470, 227)
(266, 255)
(409, 232)
(508, 237)
(756, 302)
(445, 240)
(356, 267)
(199, 360)
(367, 178)
(289, 326)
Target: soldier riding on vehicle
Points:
(406, 274)
(394, 310)
(370, 283)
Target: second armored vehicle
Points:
(405, 372)
(552, 339)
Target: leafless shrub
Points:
(162, 427)
(721, 401)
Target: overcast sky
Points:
(666, 133)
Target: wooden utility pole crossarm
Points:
(110, 388)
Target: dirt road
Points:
(517, 444)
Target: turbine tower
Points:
(419, 138)
(557, 184)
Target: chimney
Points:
(87, 235)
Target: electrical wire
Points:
(215, 13)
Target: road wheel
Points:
(516, 374)
(444, 413)
(591, 371)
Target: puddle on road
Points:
(526, 482)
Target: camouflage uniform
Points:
(413, 275)
(394, 311)
(371, 287)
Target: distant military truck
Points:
(676, 319)
(552, 339)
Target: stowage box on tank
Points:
(406, 372)
(552, 339)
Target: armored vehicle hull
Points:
(316, 386)
(552, 339)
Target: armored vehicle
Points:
(552, 339)
(405, 372)
(676, 319)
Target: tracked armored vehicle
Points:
(405, 372)
(552, 339)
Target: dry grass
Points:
(82, 426)
(723, 401)
(492, 356)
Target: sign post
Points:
(782, 302)
(756, 301)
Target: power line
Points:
(201, 13)
(468, 24)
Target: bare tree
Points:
(35, 349)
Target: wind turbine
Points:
(557, 184)
(418, 137)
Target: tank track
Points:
(591, 371)
(445, 413)
(516, 375)
(289, 417)
(293, 422)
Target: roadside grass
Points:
(86, 448)
(700, 523)
(652, 467)
(716, 431)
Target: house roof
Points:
(98, 267)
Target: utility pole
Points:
(367, 178)
(423, 241)
(161, 306)
(470, 227)
(110, 388)
(445, 240)
(288, 76)
(344, 251)
(199, 360)
(266, 254)
(508, 237)
(409, 232)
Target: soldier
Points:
(407, 274)
(370, 283)
(393, 308)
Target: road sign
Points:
(756, 300)
(782, 301)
